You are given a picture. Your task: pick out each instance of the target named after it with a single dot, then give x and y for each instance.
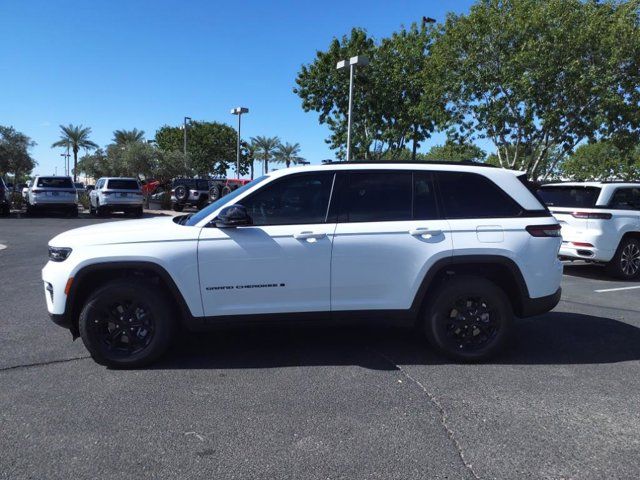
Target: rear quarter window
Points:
(470, 195)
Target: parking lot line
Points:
(617, 289)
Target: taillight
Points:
(544, 230)
(591, 215)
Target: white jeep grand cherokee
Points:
(600, 223)
(457, 249)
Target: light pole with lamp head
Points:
(184, 146)
(239, 111)
(66, 161)
(357, 61)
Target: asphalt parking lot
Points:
(308, 402)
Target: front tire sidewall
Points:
(153, 301)
(443, 301)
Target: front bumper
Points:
(540, 305)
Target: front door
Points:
(280, 264)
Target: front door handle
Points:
(423, 231)
(308, 234)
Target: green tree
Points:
(124, 137)
(14, 152)
(75, 138)
(265, 149)
(602, 161)
(392, 105)
(288, 153)
(454, 151)
(543, 73)
(211, 146)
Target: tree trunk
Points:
(266, 165)
(415, 145)
(288, 163)
(75, 163)
(252, 169)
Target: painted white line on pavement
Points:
(2, 247)
(616, 289)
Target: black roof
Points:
(410, 162)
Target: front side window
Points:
(626, 199)
(299, 199)
(377, 196)
(470, 195)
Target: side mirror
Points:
(233, 216)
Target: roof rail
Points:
(410, 162)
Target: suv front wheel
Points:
(626, 262)
(126, 324)
(468, 319)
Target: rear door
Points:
(389, 233)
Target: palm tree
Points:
(288, 153)
(75, 138)
(124, 137)
(265, 148)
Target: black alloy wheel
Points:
(126, 323)
(469, 319)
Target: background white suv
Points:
(116, 194)
(52, 193)
(458, 250)
(600, 223)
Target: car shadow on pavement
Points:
(554, 338)
(589, 271)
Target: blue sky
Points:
(124, 64)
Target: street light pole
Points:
(360, 61)
(185, 142)
(239, 111)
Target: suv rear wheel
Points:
(126, 323)
(626, 262)
(469, 319)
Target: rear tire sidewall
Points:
(615, 266)
(152, 300)
(443, 300)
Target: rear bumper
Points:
(568, 249)
(540, 305)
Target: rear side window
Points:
(55, 182)
(118, 184)
(569, 196)
(469, 195)
(377, 197)
(424, 198)
(626, 199)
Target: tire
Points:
(226, 190)
(73, 212)
(625, 264)
(30, 210)
(462, 338)
(178, 207)
(181, 193)
(214, 194)
(92, 211)
(108, 334)
(139, 212)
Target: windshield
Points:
(569, 196)
(55, 182)
(205, 212)
(123, 184)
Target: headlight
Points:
(59, 254)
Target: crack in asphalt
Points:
(443, 414)
(43, 364)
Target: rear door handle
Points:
(308, 234)
(420, 231)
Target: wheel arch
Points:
(90, 277)
(503, 271)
